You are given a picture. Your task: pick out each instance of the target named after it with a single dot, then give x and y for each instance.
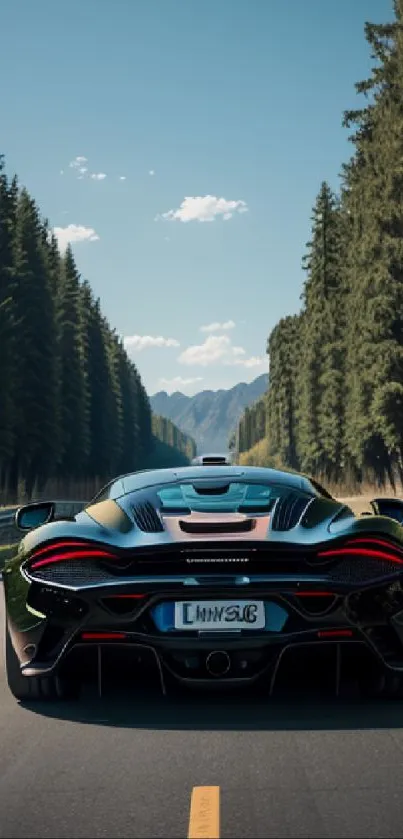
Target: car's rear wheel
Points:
(383, 685)
(35, 688)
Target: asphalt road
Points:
(118, 767)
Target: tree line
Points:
(334, 406)
(173, 447)
(73, 408)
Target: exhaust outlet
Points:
(218, 663)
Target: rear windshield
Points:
(229, 497)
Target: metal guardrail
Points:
(7, 516)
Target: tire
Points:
(386, 685)
(35, 688)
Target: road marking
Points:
(204, 819)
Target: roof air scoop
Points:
(211, 489)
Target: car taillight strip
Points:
(370, 541)
(66, 555)
(126, 597)
(103, 636)
(315, 594)
(335, 633)
(59, 545)
(368, 553)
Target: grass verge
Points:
(5, 552)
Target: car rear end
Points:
(226, 614)
(212, 582)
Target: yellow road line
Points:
(204, 819)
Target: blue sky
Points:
(239, 100)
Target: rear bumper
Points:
(143, 664)
(62, 624)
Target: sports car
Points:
(206, 576)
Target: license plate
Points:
(220, 614)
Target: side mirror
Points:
(390, 507)
(34, 515)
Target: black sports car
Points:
(213, 575)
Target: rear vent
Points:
(288, 511)
(147, 518)
(243, 526)
(120, 605)
(316, 603)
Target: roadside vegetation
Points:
(73, 409)
(334, 406)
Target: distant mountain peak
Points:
(210, 415)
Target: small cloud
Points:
(98, 176)
(82, 170)
(151, 172)
(142, 342)
(218, 349)
(122, 177)
(178, 383)
(62, 171)
(204, 208)
(218, 327)
(77, 162)
(253, 361)
(74, 233)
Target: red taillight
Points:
(314, 594)
(371, 541)
(62, 551)
(127, 596)
(366, 547)
(103, 636)
(335, 633)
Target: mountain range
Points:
(211, 415)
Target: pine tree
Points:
(374, 183)
(284, 353)
(8, 347)
(74, 387)
(36, 430)
(320, 382)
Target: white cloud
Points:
(74, 233)
(204, 208)
(77, 162)
(151, 172)
(253, 361)
(218, 349)
(215, 348)
(218, 327)
(62, 171)
(122, 178)
(178, 383)
(80, 167)
(142, 342)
